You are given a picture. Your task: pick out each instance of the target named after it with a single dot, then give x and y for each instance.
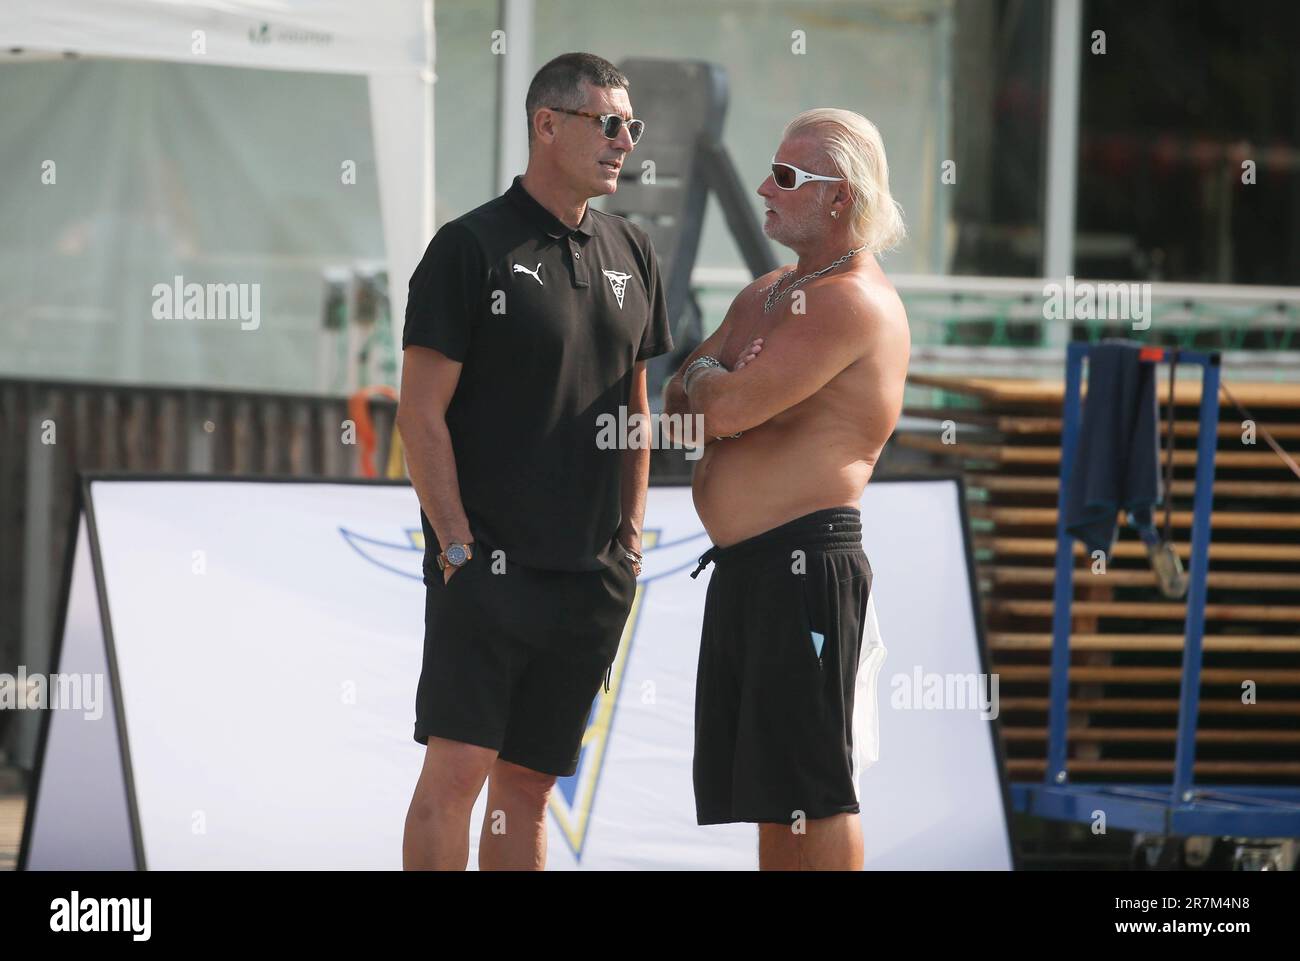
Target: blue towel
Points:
(1117, 462)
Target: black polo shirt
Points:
(548, 322)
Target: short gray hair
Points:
(559, 83)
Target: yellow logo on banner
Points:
(572, 798)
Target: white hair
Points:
(853, 146)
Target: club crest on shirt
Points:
(534, 273)
(618, 282)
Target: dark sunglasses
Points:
(610, 123)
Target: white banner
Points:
(263, 646)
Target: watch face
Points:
(456, 555)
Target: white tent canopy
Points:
(390, 42)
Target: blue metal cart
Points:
(1182, 809)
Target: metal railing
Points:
(997, 325)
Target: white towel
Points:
(866, 700)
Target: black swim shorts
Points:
(514, 656)
(778, 681)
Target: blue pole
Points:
(1063, 588)
(1189, 702)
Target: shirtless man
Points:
(803, 387)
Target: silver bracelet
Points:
(695, 366)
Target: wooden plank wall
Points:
(1126, 637)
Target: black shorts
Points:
(779, 656)
(513, 661)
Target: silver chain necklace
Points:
(773, 296)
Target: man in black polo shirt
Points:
(529, 318)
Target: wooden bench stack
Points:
(1126, 638)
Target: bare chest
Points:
(747, 325)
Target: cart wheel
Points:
(1157, 852)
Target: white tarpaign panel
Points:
(269, 636)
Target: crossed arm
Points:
(798, 357)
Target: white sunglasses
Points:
(789, 177)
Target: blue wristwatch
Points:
(456, 555)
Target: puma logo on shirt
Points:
(521, 269)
